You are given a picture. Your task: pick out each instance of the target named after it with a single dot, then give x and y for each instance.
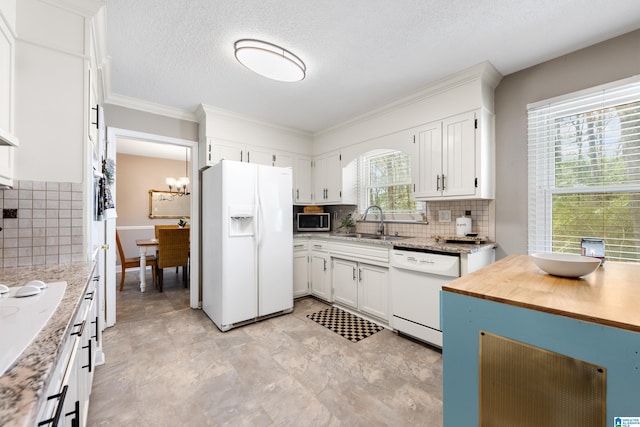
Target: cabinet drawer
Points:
(316, 245)
(360, 251)
(300, 245)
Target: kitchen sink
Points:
(366, 236)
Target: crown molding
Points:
(146, 106)
(203, 110)
(87, 8)
(483, 71)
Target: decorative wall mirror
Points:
(169, 204)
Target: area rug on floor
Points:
(346, 324)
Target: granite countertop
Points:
(423, 243)
(430, 244)
(24, 382)
(609, 296)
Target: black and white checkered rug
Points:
(346, 324)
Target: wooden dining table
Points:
(144, 245)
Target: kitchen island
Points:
(22, 386)
(594, 319)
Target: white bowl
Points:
(566, 265)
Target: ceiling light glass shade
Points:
(270, 60)
(171, 182)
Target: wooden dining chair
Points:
(133, 262)
(157, 227)
(173, 226)
(173, 251)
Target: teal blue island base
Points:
(464, 316)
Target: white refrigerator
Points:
(247, 242)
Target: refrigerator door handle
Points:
(258, 211)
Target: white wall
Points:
(605, 62)
(141, 121)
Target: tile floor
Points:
(168, 365)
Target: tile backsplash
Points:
(482, 219)
(48, 227)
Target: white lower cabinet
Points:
(345, 282)
(300, 268)
(361, 286)
(320, 271)
(374, 290)
(66, 401)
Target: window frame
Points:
(363, 185)
(542, 174)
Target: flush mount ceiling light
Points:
(270, 60)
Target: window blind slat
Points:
(584, 172)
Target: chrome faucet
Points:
(381, 226)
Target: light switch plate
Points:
(444, 216)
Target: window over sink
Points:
(383, 178)
(584, 171)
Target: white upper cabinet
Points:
(453, 158)
(54, 87)
(302, 189)
(218, 149)
(283, 160)
(7, 76)
(8, 139)
(259, 155)
(327, 178)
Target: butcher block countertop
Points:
(609, 296)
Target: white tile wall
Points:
(49, 226)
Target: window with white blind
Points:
(584, 171)
(383, 178)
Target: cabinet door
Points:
(283, 160)
(374, 286)
(344, 280)
(221, 149)
(6, 165)
(71, 411)
(93, 111)
(320, 278)
(427, 160)
(6, 78)
(459, 155)
(319, 180)
(300, 270)
(302, 177)
(259, 156)
(333, 178)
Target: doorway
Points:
(159, 144)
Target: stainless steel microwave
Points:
(313, 222)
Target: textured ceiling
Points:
(360, 54)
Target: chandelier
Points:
(181, 184)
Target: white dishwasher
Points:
(416, 279)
